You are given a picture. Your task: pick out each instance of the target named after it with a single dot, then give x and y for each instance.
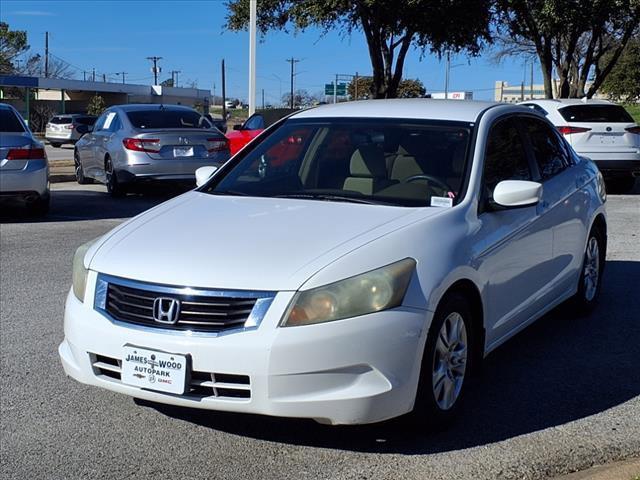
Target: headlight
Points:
(369, 292)
(79, 272)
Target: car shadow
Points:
(560, 369)
(90, 204)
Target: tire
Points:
(40, 207)
(589, 285)
(80, 178)
(113, 186)
(620, 185)
(446, 366)
(56, 145)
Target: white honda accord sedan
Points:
(354, 263)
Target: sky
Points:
(190, 36)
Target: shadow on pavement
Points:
(558, 370)
(79, 204)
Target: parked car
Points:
(130, 144)
(253, 126)
(346, 286)
(24, 169)
(600, 130)
(63, 129)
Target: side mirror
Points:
(237, 127)
(203, 174)
(517, 193)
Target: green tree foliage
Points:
(408, 88)
(390, 27)
(13, 43)
(623, 83)
(96, 105)
(572, 36)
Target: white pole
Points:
(253, 8)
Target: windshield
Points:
(393, 162)
(166, 118)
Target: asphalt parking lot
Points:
(561, 396)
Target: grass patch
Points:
(634, 111)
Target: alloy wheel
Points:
(450, 361)
(591, 271)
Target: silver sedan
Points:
(131, 144)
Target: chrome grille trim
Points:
(116, 302)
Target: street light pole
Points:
(252, 55)
(446, 76)
(292, 61)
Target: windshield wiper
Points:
(330, 197)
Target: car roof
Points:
(132, 107)
(416, 108)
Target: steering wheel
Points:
(433, 180)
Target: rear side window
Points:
(550, 151)
(85, 120)
(9, 122)
(152, 119)
(596, 114)
(506, 158)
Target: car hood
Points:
(210, 241)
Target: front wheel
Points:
(446, 363)
(586, 298)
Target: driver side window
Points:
(505, 156)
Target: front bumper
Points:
(32, 179)
(359, 370)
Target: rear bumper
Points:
(179, 170)
(32, 179)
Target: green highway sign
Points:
(341, 90)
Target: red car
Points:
(255, 124)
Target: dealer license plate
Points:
(144, 368)
(183, 151)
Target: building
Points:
(453, 95)
(517, 93)
(73, 96)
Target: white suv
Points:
(600, 130)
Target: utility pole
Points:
(446, 75)
(356, 85)
(155, 68)
(293, 62)
(174, 80)
(84, 76)
(123, 74)
(93, 77)
(532, 80)
(46, 54)
(252, 55)
(224, 95)
(263, 98)
(104, 77)
(335, 90)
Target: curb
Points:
(622, 470)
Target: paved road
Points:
(65, 152)
(561, 396)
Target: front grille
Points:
(199, 313)
(201, 384)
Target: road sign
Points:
(341, 90)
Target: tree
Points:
(571, 35)
(623, 83)
(407, 88)
(300, 98)
(390, 27)
(96, 105)
(13, 44)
